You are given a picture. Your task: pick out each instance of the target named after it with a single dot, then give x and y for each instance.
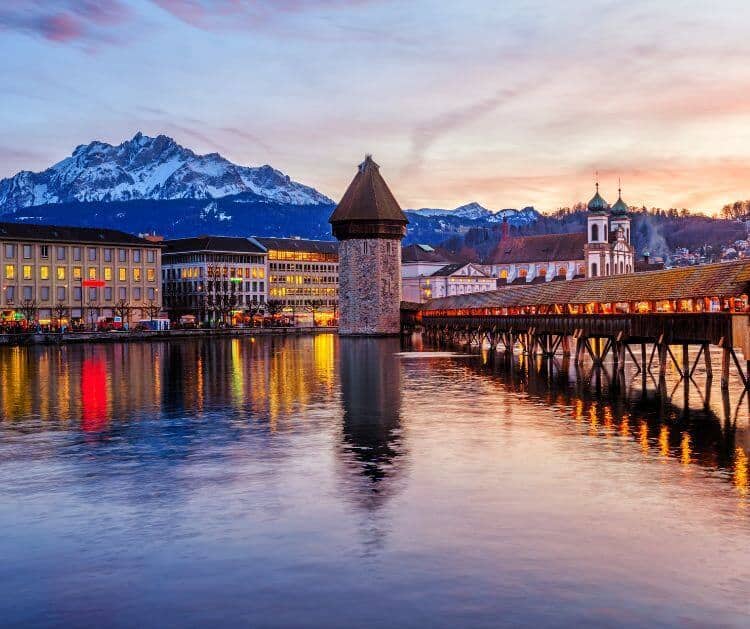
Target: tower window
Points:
(594, 268)
(594, 232)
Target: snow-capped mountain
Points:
(475, 212)
(149, 168)
(471, 211)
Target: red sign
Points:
(93, 283)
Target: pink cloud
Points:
(66, 21)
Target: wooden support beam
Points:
(697, 358)
(663, 360)
(565, 345)
(674, 360)
(707, 356)
(725, 357)
(739, 368)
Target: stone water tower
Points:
(369, 224)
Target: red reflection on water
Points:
(93, 395)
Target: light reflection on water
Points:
(326, 482)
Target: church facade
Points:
(604, 249)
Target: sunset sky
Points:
(506, 103)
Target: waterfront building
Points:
(604, 249)
(370, 225)
(214, 278)
(303, 278)
(427, 273)
(63, 274)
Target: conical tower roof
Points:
(368, 198)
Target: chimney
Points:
(505, 228)
(646, 257)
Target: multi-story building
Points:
(303, 278)
(77, 274)
(214, 278)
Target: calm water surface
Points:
(340, 483)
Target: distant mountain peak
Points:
(146, 167)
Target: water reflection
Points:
(371, 386)
(687, 427)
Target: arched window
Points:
(606, 269)
(594, 232)
(594, 268)
(622, 267)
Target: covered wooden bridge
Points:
(702, 306)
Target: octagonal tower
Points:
(369, 224)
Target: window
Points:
(594, 269)
(44, 272)
(28, 292)
(136, 255)
(27, 271)
(61, 251)
(150, 256)
(152, 294)
(123, 292)
(27, 252)
(594, 233)
(10, 251)
(108, 293)
(108, 273)
(61, 273)
(77, 254)
(92, 254)
(44, 293)
(92, 272)
(77, 293)
(137, 293)
(10, 271)
(93, 294)
(151, 275)
(44, 251)
(10, 294)
(60, 293)
(77, 272)
(108, 255)
(122, 274)
(122, 255)
(136, 275)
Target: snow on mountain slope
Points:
(149, 168)
(475, 212)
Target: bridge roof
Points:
(726, 279)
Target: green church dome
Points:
(597, 203)
(620, 208)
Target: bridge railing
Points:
(673, 327)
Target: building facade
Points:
(604, 249)
(370, 225)
(303, 279)
(214, 278)
(76, 274)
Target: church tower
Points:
(596, 250)
(369, 224)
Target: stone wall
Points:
(370, 287)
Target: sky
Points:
(506, 103)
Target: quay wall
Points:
(52, 338)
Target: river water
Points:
(308, 482)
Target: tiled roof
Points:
(368, 198)
(417, 253)
(545, 248)
(213, 243)
(58, 233)
(299, 244)
(712, 280)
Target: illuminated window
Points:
(151, 275)
(136, 275)
(108, 273)
(60, 272)
(122, 274)
(28, 272)
(44, 272)
(92, 272)
(10, 272)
